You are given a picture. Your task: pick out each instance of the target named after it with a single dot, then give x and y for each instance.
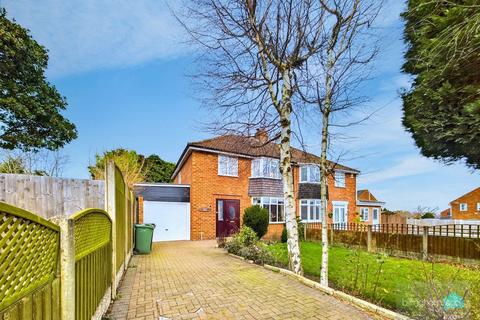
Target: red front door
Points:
(228, 217)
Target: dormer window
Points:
(227, 166)
(266, 168)
(310, 173)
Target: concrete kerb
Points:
(365, 305)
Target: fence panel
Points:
(93, 256)
(120, 212)
(49, 196)
(29, 246)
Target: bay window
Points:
(310, 210)
(275, 207)
(227, 166)
(266, 168)
(310, 173)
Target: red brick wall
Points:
(140, 209)
(185, 174)
(207, 186)
(471, 199)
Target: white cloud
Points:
(85, 35)
(408, 166)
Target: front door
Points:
(228, 217)
(376, 215)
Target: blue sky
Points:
(121, 64)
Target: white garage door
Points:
(171, 219)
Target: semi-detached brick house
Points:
(466, 207)
(216, 179)
(229, 173)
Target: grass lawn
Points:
(401, 284)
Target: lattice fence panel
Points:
(92, 231)
(28, 253)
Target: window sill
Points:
(228, 175)
(277, 222)
(342, 187)
(309, 182)
(265, 178)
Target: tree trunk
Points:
(324, 201)
(287, 179)
(324, 170)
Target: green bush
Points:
(428, 215)
(245, 244)
(256, 218)
(284, 237)
(301, 229)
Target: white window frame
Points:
(340, 179)
(478, 206)
(271, 201)
(340, 205)
(362, 214)
(268, 164)
(309, 167)
(373, 215)
(311, 204)
(231, 166)
(463, 207)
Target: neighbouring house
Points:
(466, 207)
(224, 175)
(369, 208)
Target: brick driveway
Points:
(194, 280)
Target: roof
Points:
(365, 195)
(366, 198)
(476, 190)
(252, 147)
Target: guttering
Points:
(370, 203)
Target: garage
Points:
(168, 207)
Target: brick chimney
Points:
(262, 136)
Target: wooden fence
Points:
(48, 196)
(461, 242)
(86, 245)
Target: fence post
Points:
(425, 243)
(369, 238)
(110, 208)
(305, 231)
(67, 269)
(331, 233)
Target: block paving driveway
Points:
(195, 280)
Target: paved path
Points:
(194, 280)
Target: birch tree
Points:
(251, 55)
(332, 82)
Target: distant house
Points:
(466, 207)
(369, 207)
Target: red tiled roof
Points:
(365, 195)
(251, 146)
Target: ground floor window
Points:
(310, 210)
(364, 214)
(275, 207)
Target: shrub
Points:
(256, 218)
(428, 215)
(284, 237)
(301, 229)
(245, 244)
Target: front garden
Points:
(424, 290)
(412, 287)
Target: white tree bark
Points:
(287, 178)
(324, 201)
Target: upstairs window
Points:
(463, 207)
(227, 166)
(266, 168)
(339, 179)
(310, 173)
(478, 206)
